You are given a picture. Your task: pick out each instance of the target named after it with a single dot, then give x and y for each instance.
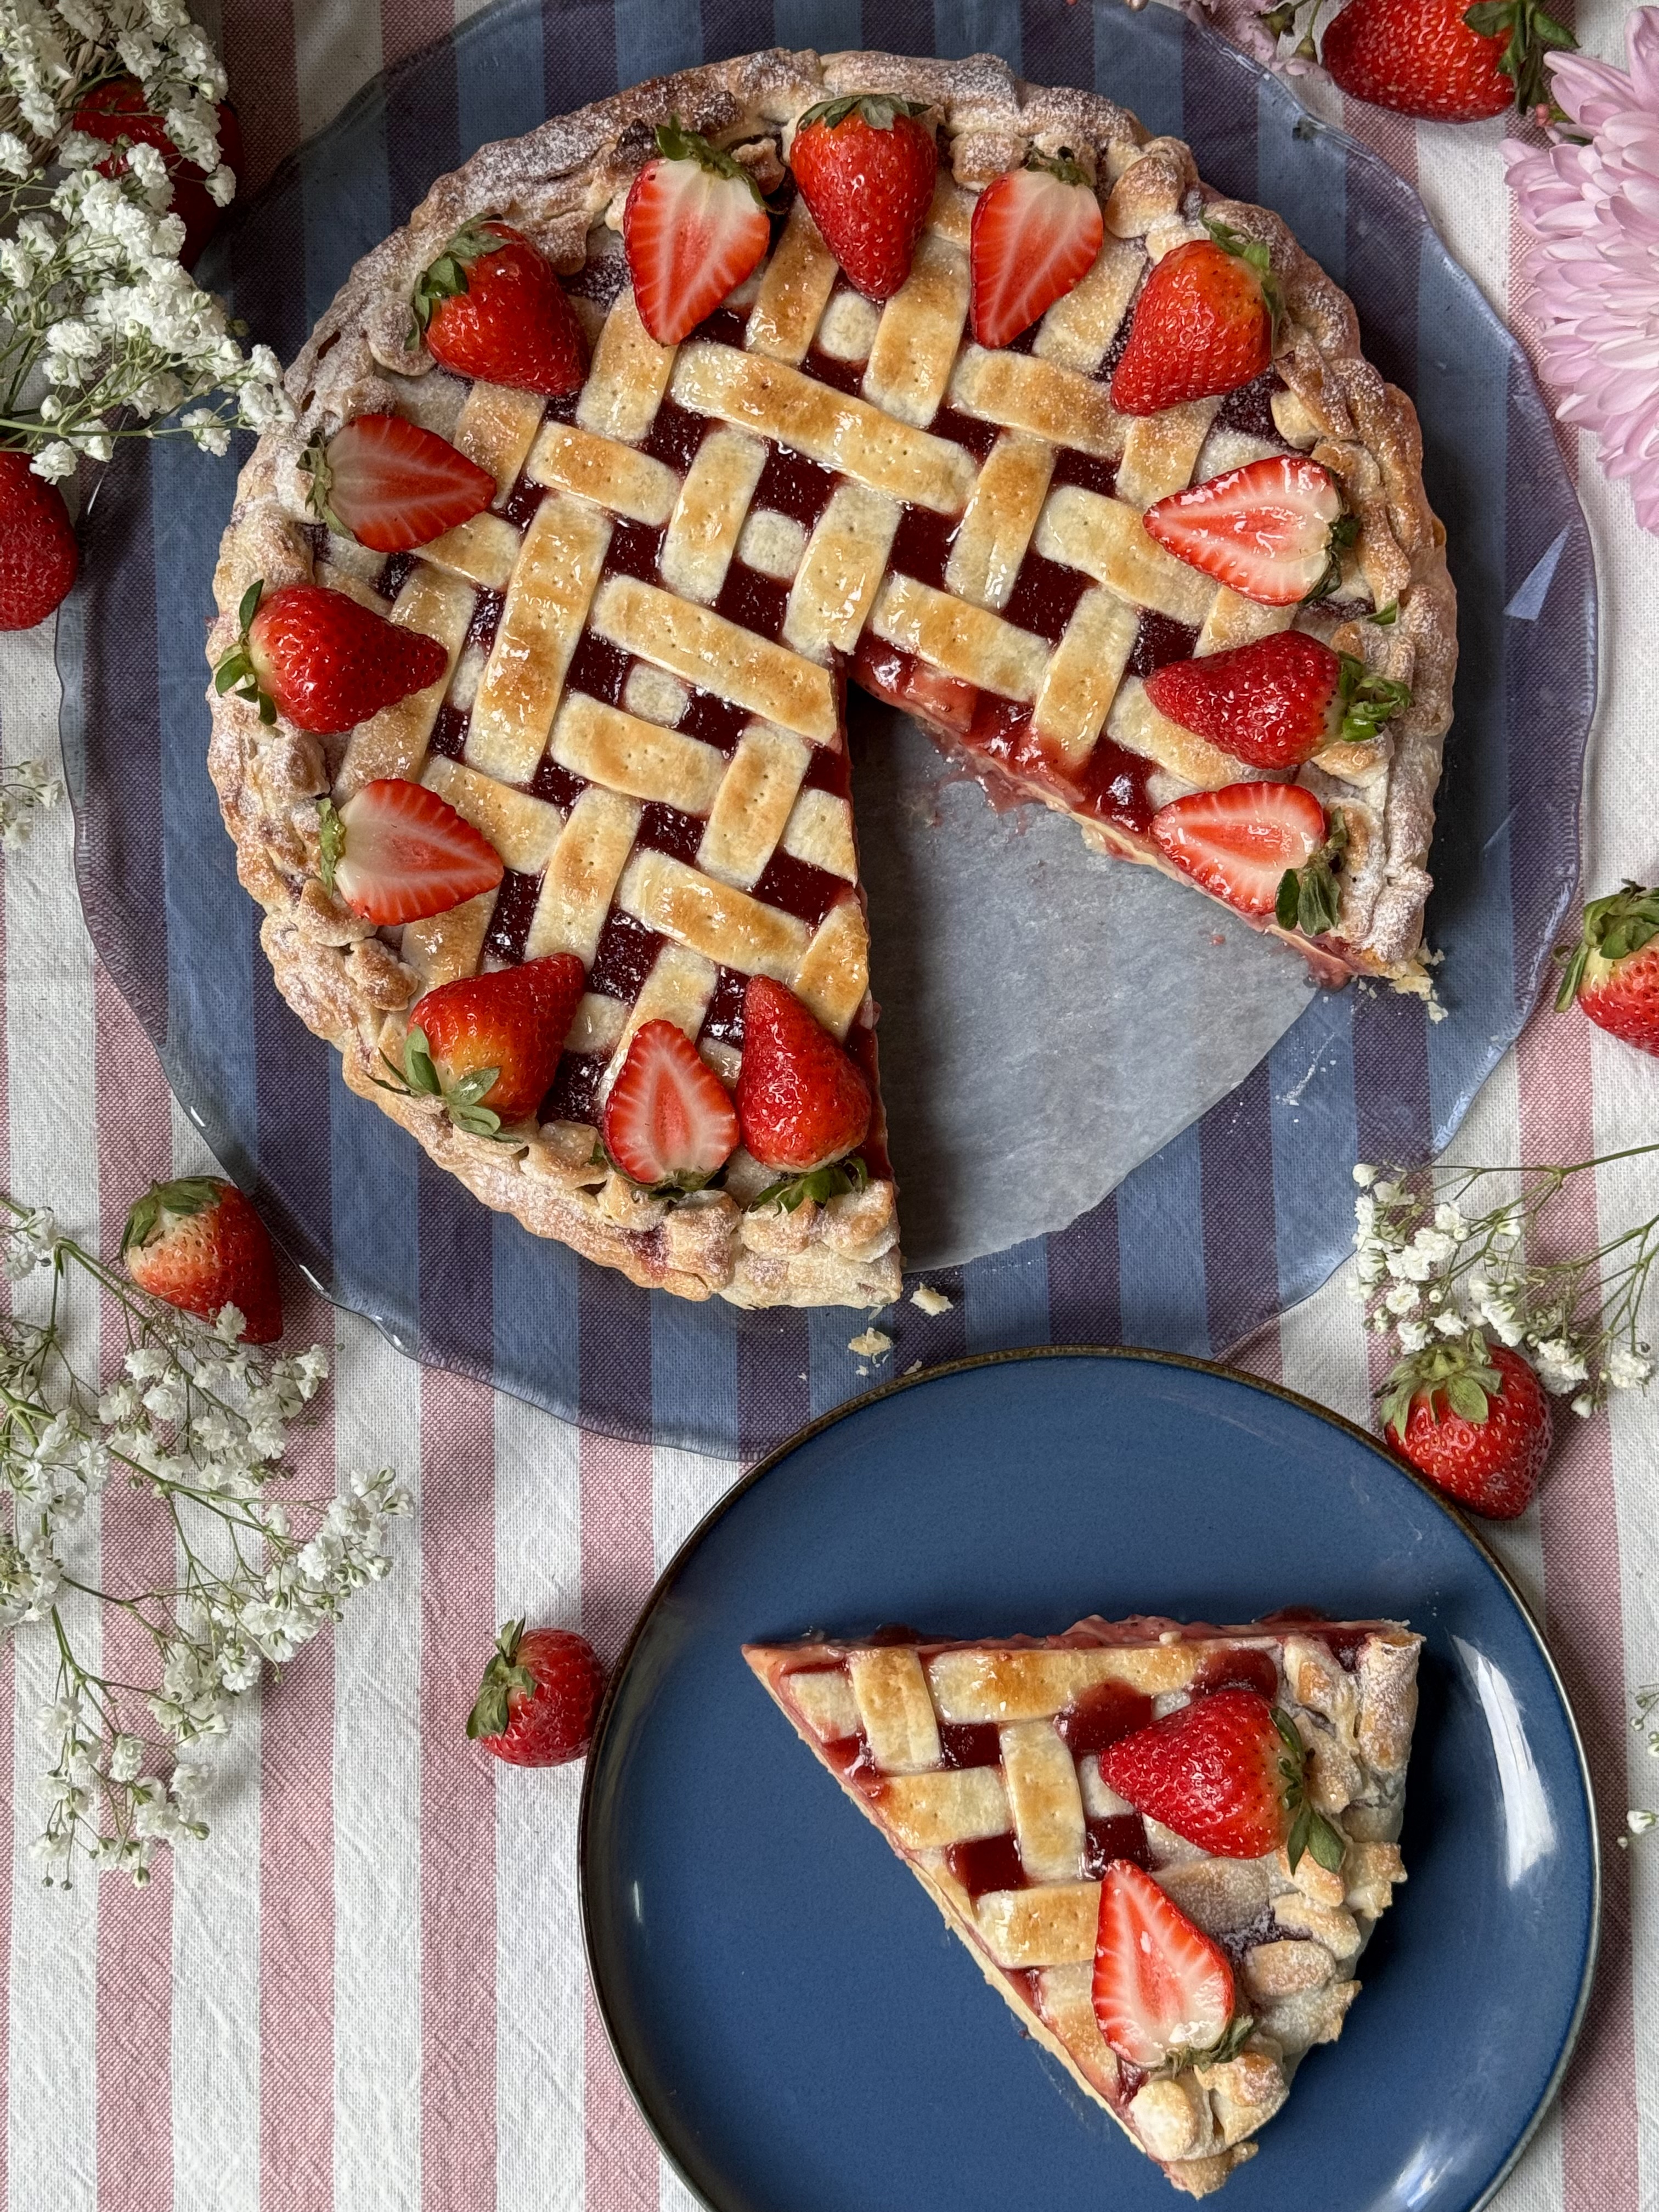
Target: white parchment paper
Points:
(1050, 1018)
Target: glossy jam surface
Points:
(1101, 1716)
(1238, 1670)
(991, 1863)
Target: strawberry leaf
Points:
(880, 110)
(489, 1714)
(1367, 702)
(445, 278)
(1062, 165)
(1533, 33)
(1385, 617)
(676, 144)
(330, 841)
(420, 1079)
(1310, 899)
(236, 670)
(187, 1194)
(1256, 256)
(819, 1184)
(1309, 1830)
(1344, 531)
(1455, 1373)
(249, 605)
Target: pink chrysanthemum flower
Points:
(1594, 261)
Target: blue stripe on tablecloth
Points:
(1216, 116)
(1313, 1144)
(1241, 1251)
(347, 203)
(457, 1276)
(1461, 390)
(977, 27)
(774, 1378)
(827, 25)
(579, 54)
(423, 125)
(655, 37)
(735, 26)
(1084, 1305)
(694, 1371)
(537, 1286)
(614, 1353)
(1138, 63)
(1304, 178)
(499, 78)
(1004, 1298)
(1161, 1249)
(203, 902)
(1058, 43)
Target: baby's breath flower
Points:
(55, 460)
(1364, 1174)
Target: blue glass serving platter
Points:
(802, 2032)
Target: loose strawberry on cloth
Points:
(1613, 971)
(1475, 1418)
(38, 557)
(199, 1244)
(539, 1696)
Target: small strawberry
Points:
(802, 1103)
(1474, 1417)
(669, 1119)
(1442, 59)
(38, 557)
(1036, 233)
(1278, 700)
(326, 662)
(539, 1696)
(490, 306)
(865, 164)
(1264, 847)
(1203, 325)
(1613, 970)
(487, 1045)
(1229, 1773)
(1272, 530)
(395, 852)
(392, 485)
(197, 1243)
(694, 226)
(117, 112)
(1163, 1992)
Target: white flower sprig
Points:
(1429, 1265)
(103, 334)
(1640, 1819)
(27, 788)
(199, 1423)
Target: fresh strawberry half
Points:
(1278, 700)
(392, 485)
(490, 306)
(1035, 235)
(669, 1119)
(802, 1103)
(865, 164)
(326, 662)
(1474, 1417)
(539, 1696)
(1441, 59)
(38, 557)
(1264, 847)
(1613, 970)
(1203, 325)
(118, 113)
(395, 852)
(1272, 530)
(695, 225)
(487, 1045)
(197, 1243)
(1229, 1772)
(1163, 1992)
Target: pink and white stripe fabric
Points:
(367, 1989)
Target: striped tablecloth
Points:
(367, 1988)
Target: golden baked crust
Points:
(561, 185)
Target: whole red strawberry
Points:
(540, 1694)
(489, 1044)
(1613, 970)
(38, 557)
(1443, 59)
(1474, 1419)
(1278, 700)
(1203, 325)
(117, 112)
(490, 306)
(801, 1102)
(1227, 1772)
(197, 1243)
(326, 662)
(865, 164)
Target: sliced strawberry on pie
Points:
(1151, 1837)
(393, 486)
(694, 227)
(669, 1119)
(1272, 530)
(1036, 233)
(395, 852)
(1267, 848)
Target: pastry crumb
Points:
(871, 1345)
(930, 1300)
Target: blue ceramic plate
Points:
(800, 2029)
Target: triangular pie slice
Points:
(648, 631)
(981, 1764)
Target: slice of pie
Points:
(1166, 1845)
(1184, 588)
